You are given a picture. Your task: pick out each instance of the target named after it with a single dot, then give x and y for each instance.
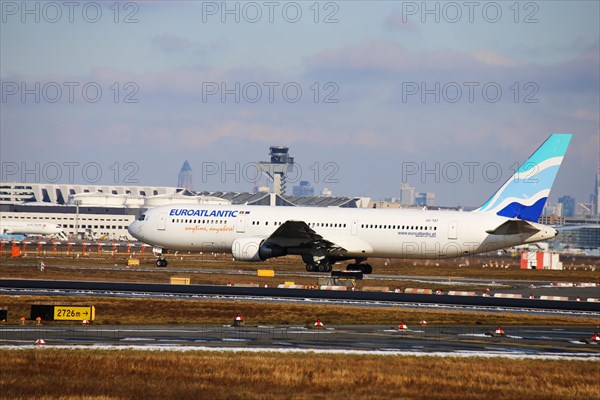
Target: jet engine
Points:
(255, 249)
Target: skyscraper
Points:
(425, 199)
(596, 195)
(185, 177)
(568, 205)
(303, 189)
(407, 194)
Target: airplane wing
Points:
(513, 227)
(297, 235)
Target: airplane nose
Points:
(134, 228)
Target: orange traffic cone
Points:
(319, 324)
(239, 320)
(402, 326)
(40, 342)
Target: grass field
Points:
(128, 311)
(125, 374)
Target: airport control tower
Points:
(281, 163)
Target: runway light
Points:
(319, 324)
(402, 326)
(239, 320)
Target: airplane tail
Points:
(524, 195)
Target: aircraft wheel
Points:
(366, 268)
(352, 267)
(311, 267)
(324, 267)
(161, 262)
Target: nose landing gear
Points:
(161, 262)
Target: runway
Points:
(15, 286)
(539, 341)
(531, 341)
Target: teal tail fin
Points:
(524, 195)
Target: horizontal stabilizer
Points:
(513, 227)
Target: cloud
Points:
(171, 43)
(586, 115)
(489, 57)
(396, 22)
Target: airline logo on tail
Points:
(524, 195)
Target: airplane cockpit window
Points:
(142, 217)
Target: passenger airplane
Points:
(11, 227)
(324, 236)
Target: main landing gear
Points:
(364, 268)
(325, 264)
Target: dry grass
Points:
(124, 311)
(71, 374)
(576, 268)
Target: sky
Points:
(449, 97)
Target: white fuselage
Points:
(361, 233)
(29, 228)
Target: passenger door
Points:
(453, 230)
(162, 222)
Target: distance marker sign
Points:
(74, 313)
